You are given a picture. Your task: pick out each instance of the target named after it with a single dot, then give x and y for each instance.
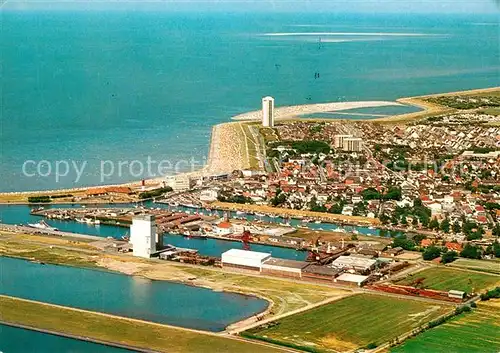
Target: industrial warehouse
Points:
(337, 272)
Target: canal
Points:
(18, 340)
(130, 296)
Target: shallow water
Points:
(122, 86)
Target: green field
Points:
(491, 266)
(351, 322)
(442, 278)
(115, 329)
(475, 332)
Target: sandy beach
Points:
(294, 111)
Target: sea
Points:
(83, 91)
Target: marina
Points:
(212, 246)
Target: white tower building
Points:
(143, 235)
(268, 112)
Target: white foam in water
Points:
(384, 34)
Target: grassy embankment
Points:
(49, 249)
(284, 295)
(474, 332)
(130, 332)
(351, 323)
(443, 278)
(251, 146)
(490, 266)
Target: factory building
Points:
(348, 279)
(244, 259)
(456, 294)
(283, 268)
(352, 144)
(338, 140)
(268, 112)
(322, 273)
(359, 264)
(143, 235)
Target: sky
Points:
(388, 6)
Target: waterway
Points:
(129, 296)
(20, 214)
(18, 340)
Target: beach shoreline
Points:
(229, 150)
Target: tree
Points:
(371, 194)
(402, 241)
(445, 225)
(434, 224)
(471, 252)
(496, 230)
(448, 257)
(493, 249)
(456, 227)
(384, 218)
(394, 193)
(431, 253)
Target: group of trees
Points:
(337, 205)
(419, 213)
(469, 251)
(433, 252)
(234, 199)
(154, 193)
(39, 199)
(494, 293)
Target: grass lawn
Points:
(352, 322)
(249, 140)
(120, 330)
(475, 332)
(442, 278)
(492, 266)
(286, 295)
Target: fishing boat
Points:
(317, 222)
(240, 213)
(41, 225)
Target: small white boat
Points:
(240, 213)
(41, 225)
(317, 222)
